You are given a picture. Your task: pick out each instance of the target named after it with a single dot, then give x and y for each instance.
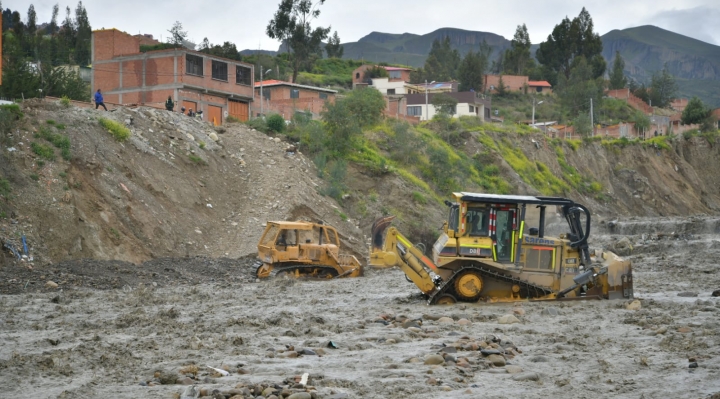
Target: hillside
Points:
(172, 191)
(645, 49)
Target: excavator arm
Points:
(396, 250)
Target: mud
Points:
(107, 330)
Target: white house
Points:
(468, 104)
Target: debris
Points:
(219, 371)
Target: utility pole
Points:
(592, 123)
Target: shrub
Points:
(58, 140)
(202, 145)
(257, 124)
(65, 101)
(276, 123)
(232, 119)
(419, 198)
(34, 176)
(117, 130)
(13, 109)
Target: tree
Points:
(83, 35)
(575, 92)
(663, 88)
(227, 50)
(569, 40)
(291, 24)
(617, 75)
(696, 112)
(346, 118)
(444, 104)
(442, 62)
(501, 87)
(473, 68)
(641, 121)
(177, 34)
(582, 125)
(517, 59)
(333, 47)
(31, 21)
(367, 106)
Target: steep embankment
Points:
(171, 190)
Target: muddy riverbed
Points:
(112, 329)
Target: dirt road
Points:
(112, 329)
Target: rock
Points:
(634, 305)
(432, 317)
(693, 365)
(191, 392)
(186, 381)
(289, 354)
(551, 311)
(190, 136)
(449, 349)
(519, 311)
(434, 359)
(526, 377)
(300, 395)
(496, 360)
(410, 323)
(446, 320)
(277, 139)
(513, 369)
(622, 247)
(661, 330)
(464, 322)
(688, 294)
(166, 378)
(268, 391)
(684, 330)
(51, 284)
(308, 352)
(341, 395)
(508, 319)
(488, 352)
(716, 293)
(539, 359)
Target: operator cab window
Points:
(477, 221)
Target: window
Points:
(266, 94)
(294, 93)
(394, 74)
(538, 89)
(243, 75)
(414, 111)
(357, 75)
(323, 96)
(194, 65)
(219, 70)
(472, 109)
(478, 220)
(390, 91)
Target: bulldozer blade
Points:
(378, 228)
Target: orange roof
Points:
(539, 83)
(270, 82)
(273, 82)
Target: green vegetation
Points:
(65, 101)
(275, 123)
(117, 130)
(232, 119)
(4, 187)
(59, 141)
(202, 145)
(34, 176)
(43, 151)
(12, 109)
(197, 160)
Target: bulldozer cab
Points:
(510, 230)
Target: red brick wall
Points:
(159, 71)
(106, 76)
(110, 43)
(131, 73)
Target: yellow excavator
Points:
(495, 248)
(303, 249)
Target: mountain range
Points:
(645, 49)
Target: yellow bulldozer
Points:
(303, 249)
(495, 248)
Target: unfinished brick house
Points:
(516, 83)
(217, 86)
(285, 98)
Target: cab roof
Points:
(510, 199)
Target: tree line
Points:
(33, 53)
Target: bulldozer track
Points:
(304, 269)
(530, 290)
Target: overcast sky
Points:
(243, 21)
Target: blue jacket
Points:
(98, 97)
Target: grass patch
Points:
(197, 160)
(34, 176)
(5, 187)
(659, 142)
(574, 143)
(115, 233)
(58, 140)
(201, 145)
(65, 101)
(40, 163)
(535, 174)
(14, 109)
(232, 119)
(117, 130)
(62, 174)
(419, 198)
(43, 151)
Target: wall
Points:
(383, 84)
(511, 82)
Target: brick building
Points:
(217, 86)
(395, 75)
(285, 98)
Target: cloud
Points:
(699, 22)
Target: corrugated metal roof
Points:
(273, 82)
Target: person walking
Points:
(169, 104)
(99, 100)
